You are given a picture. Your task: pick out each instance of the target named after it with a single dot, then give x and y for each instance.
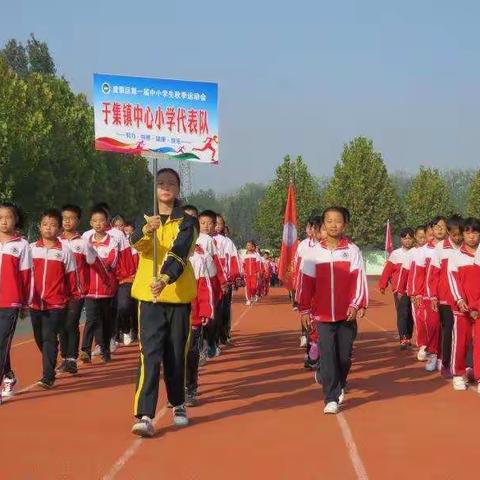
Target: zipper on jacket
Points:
(1, 261)
(332, 286)
(44, 280)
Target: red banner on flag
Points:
(289, 240)
(388, 239)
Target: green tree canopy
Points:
(474, 196)
(269, 218)
(361, 184)
(427, 197)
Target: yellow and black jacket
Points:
(175, 243)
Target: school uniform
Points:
(331, 282)
(420, 287)
(464, 282)
(85, 255)
(439, 288)
(164, 322)
(15, 281)
(54, 283)
(103, 287)
(391, 276)
(251, 270)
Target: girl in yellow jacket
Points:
(164, 304)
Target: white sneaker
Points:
(459, 383)
(7, 388)
(331, 408)
(248, 303)
(422, 354)
(431, 364)
(127, 339)
(218, 352)
(180, 418)
(144, 427)
(97, 351)
(303, 341)
(113, 345)
(341, 398)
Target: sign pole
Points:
(155, 213)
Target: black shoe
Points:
(85, 357)
(71, 367)
(191, 399)
(106, 358)
(46, 384)
(61, 368)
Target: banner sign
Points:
(147, 116)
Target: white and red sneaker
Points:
(7, 387)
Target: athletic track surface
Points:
(260, 417)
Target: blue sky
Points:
(294, 77)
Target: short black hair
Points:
(420, 227)
(472, 224)
(104, 206)
(438, 219)
(314, 220)
(115, 218)
(210, 214)
(130, 223)
(98, 209)
(17, 213)
(52, 213)
(407, 231)
(69, 207)
(455, 221)
(171, 171)
(341, 210)
(191, 207)
(252, 242)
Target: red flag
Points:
(388, 240)
(289, 240)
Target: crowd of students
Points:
(181, 318)
(435, 280)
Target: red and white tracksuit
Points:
(228, 255)
(203, 305)
(85, 257)
(267, 276)
(54, 276)
(332, 281)
(419, 286)
(251, 271)
(15, 273)
(303, 249)
(117, 265)
(392, 270)
(464, 282)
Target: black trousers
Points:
(98, 324)
(335, 341)
(193, 358)
(164, 331)
(446, 321)
(214, 326)
(46, 327)
(70, 330)
(225, 326)
(125, 309)
(404, 316)
(8, 322)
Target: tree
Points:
(15, 57)
(458, 182)
(39, 57)
(241, 210)
(361, 184)
(206, 200)
(427, 197)
(269, 218)
(474, 196)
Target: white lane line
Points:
(351, 447)
(241, 316)
(21, 343)
(131, 450)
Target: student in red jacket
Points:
(333, 290)
(54, 284)
(464, 281)
(130, 324)
(439, 289)
(103, 288)
(15, 278)
(85, 256)
(422, 295)
(251, 270)
(391, 275)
